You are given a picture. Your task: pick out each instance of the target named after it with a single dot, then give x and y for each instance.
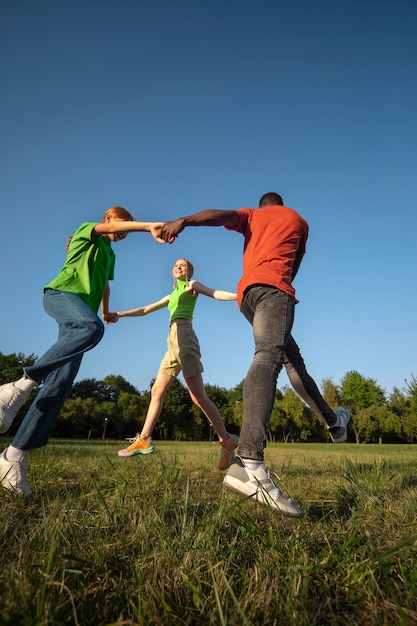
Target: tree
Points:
(74, 419)
(411, 389)
(104, 416)
(233, 414)
(132, 412)
(292, 416)
(359, 392)
(175, 420)
(374, 423)
(331, 393)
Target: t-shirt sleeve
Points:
(243, 220)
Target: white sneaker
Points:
(259, 485)
(11, 400)
(13, 476)
(338, 432)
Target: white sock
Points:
(25, 384)
(14, 455)
(252, 464)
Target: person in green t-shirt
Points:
(72, 299)
(183, 353)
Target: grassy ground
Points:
(158, 540)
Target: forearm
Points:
(132, 312)
(105, 300)
(123, 226)
(224, 295)
(209, 217)
(144, 310)
(217, 294)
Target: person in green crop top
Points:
(183, 353)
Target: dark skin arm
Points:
(210, 217)
(297, 263)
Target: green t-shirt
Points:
(88, 266)
(181, 304)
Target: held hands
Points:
(155, 232)
(110, 317)
(169, 231)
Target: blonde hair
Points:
(117, 212)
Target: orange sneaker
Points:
(138, 446)
(227, 451)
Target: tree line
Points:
(113, 408)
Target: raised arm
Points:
(144, 310)
(210, 217)
(217, 294)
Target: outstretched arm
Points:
(144, 310)
(127, 226)
(217, 294)
(210, 217)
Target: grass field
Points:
(158, 540)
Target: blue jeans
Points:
(271, 313)
(80, 329)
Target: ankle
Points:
(14, 455)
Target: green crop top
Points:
(181, 303)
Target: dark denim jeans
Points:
(304, 385)
(80, 329)
(270, 311)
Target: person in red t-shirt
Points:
(275, 242)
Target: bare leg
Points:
(200, 398)
(158, 391)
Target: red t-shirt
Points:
(274, 236)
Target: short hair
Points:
(118, 212)
(271, 199)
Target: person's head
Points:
(271, 199)
(118, 214)
(114, 213)
(182, 269)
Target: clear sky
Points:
(168, 108)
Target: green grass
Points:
(158, 540)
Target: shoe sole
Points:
(135, 452)
(258, 496)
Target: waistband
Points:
(180, 321)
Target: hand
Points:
(110, 317)
(155, 230)
(171, 230)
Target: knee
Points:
(156, 392)
(270, 357)
(93, 331)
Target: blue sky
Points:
(168, 108)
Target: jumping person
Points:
(275, 240)
(72, 299)
(183, 354)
